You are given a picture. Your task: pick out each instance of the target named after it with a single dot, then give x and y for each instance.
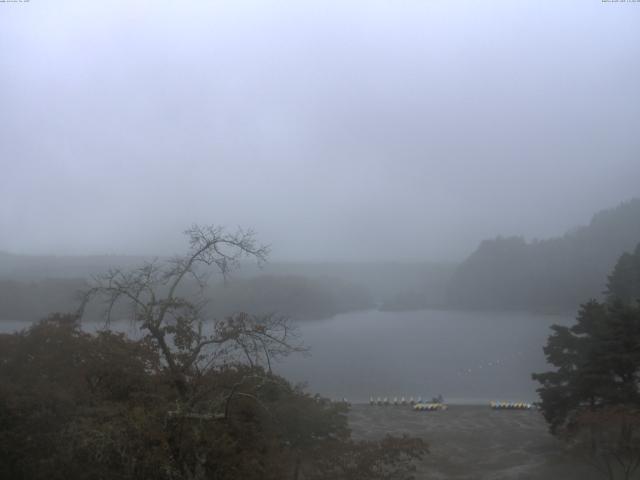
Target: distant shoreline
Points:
(542, 313)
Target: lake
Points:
(468, 357)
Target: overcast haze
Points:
(338, 130)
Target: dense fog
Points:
(319, 240)
(338, 130)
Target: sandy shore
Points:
(475, 442)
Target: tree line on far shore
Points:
(554, 274)
(505, 273)
(296, 296)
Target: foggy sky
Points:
(338, 130)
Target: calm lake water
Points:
(468, 357)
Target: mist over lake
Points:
(226, 226)
(468, 357)
(465, 356)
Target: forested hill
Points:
(298, 297)
(554, 274)
(33, 286)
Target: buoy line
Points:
(421, 407)
(394, 401)
(510, 405)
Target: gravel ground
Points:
(475, 442)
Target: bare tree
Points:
(190, 343)
(197, 350)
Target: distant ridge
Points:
(554, 274)
(504, 273)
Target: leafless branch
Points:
(178, 325)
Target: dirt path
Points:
(475, 442)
